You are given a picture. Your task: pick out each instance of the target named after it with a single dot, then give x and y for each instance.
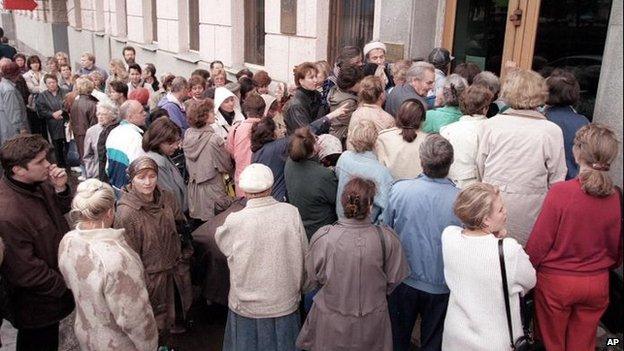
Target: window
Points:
(154, 21)
(193, 24)
(254, 32)
(350, 23)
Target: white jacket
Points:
(221, 126)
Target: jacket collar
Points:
(524, 113)
(435, 180)
(261, 202)
(25, 189)
(352, 222)
(100, 233)
(472, 118)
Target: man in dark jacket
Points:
(34, 196)
(420, 79)
(6, 50)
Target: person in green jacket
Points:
(449, 113)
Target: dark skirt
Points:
(262, 334)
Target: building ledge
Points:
(189, 56)
(120, 39)
(99, 34)
(148, 47)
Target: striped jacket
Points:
(123, 146)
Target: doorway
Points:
(534, 34)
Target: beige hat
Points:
(255, 178)
(328, 144)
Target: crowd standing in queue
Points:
(368, 200)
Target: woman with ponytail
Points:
(310, 186)
(356, 265)
(576, 240)
(106, 276)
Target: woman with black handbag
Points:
(477, 318)
(576, 240)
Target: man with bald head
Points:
(123, 144)
(12, 108)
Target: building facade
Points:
(180, 36)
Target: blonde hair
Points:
(118, 69)
(595, 146)
(399, 70)
(475, 203)
(524, 89)
(84, 86)
(93, 199)
(364, 135)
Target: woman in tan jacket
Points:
(521, 152)
(207, 160)
(150, 217)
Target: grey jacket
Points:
(169, 178)
(398, 95)
(12, 111)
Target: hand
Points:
(340, 111)
(279, 92)
(501, 233)
(58, 178)
(58, 114)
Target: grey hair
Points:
(178, 84)
(488, 80)
(436, 156)
(417, 71)
(109, 107)
(125, 109)
(453, 86)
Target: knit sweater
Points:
(475, 317)
(576, 233)
(265, 245)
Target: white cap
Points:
(372, 46)
(255, 178)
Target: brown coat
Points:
(151, 232)
(207, 161)
(81, 117)
(32, 225)
(350, 311)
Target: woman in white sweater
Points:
(476, 318)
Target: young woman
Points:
(356, 264)
(472, 273)
(111, 296)
(576, 240)
(272, 152)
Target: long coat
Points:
(12, 111)
(350, 311)
(522, 153)
(32, 224)
(48, 103)
(107, 277)
(206, 160)
(81, 117)
(151, 232)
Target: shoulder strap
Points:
(383, 248)
(501, 257)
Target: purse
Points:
(525, 342)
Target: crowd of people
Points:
(369, 199)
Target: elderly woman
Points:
(150, 217)
(471, 270)
(492, 83)
(107, 114)
(453, 86)
(207, 162)
(267, 271)
(83, 112)
(112, 301)
(564, 91)
(474, 103)
(338, 265)
(227, 112)
(362, 162)
(397, 148)
(310, 186)
(576, 240)
(521, 152)
(49, 105)
(160, 142)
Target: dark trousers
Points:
(60, 150)
(405, 304)
(39, 339)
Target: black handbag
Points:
(525, 342)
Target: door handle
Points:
(516, 17)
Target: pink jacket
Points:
(238, 144)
